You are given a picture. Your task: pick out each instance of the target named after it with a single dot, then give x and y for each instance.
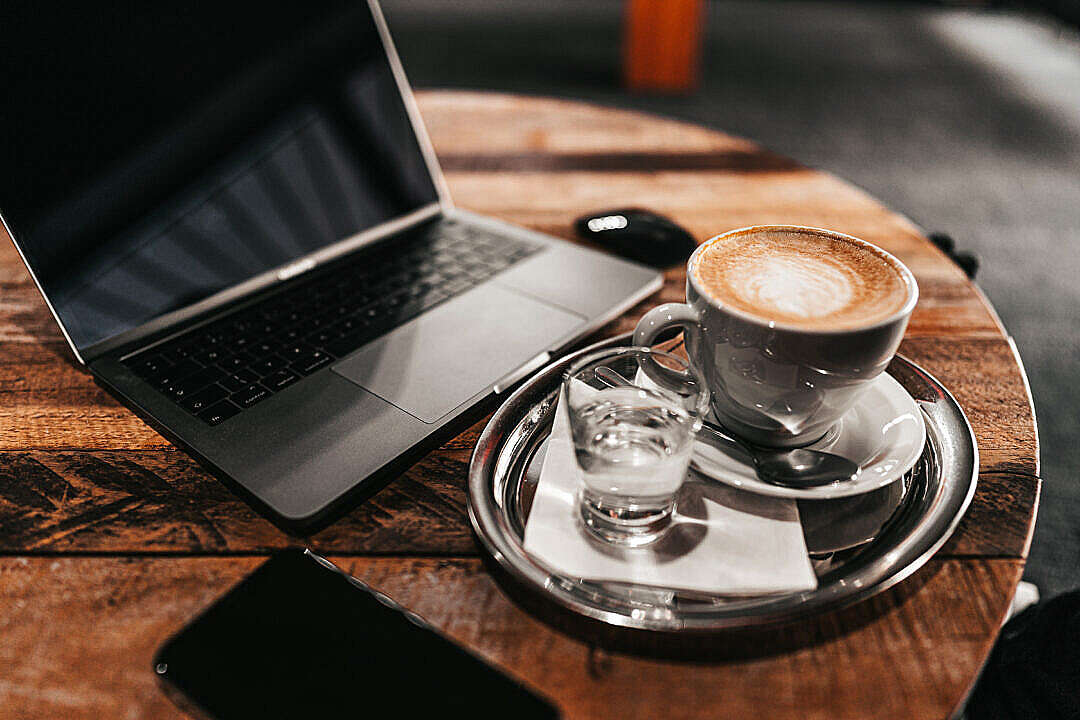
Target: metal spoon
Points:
(794, 468)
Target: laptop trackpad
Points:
(456, 350)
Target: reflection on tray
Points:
(853, 560)
(835, 530)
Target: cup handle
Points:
(660, 318)
(654, 322)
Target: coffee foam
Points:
(801, 278)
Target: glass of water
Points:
(633, 416)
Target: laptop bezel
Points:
(158, 327)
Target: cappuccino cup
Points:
(787, 325)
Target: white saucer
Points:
(883, 432)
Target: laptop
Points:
(235, 215)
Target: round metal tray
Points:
(916, 519)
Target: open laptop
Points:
(236, 217)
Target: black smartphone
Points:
(299, 638)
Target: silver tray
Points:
(890, 533)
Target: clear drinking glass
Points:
(633, 415)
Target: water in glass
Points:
(633, 446)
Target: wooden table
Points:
(112, 539)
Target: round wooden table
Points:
(112, 539)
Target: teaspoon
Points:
(794, 468)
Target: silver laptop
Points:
(236, 217)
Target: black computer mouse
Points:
(638, 235)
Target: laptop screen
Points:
(153, 155)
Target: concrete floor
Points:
(966, 121)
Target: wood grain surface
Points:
(110, 539)
(80, 633)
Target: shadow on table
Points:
(1034, 669)
(718, 646)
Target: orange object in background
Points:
(662, 44)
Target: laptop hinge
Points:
(214, 304)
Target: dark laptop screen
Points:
(152, 155)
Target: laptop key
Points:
(250, 395)
(347, 343)
(267, 365)
(311, 362)
(236, 362)
(183, 351)
(409, 310)
(320, 338)
(360, 299)
(293, 334)
(350, 325)
(298, 350)
(344, 309)
(499, 263)
(262, 348)
(242, 342)
(150, 366)
(193, 383)
(204, 399)
(433, 297)
(177, 372)
(457, 286)
(211, 356)
(279, 380)
(479, 271)
(239, 380)
(218, 413)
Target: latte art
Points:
(801, 278)
(793, 287)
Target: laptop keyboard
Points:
(218, 370)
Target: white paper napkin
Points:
(723, 541)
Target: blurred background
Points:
(965, 117)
